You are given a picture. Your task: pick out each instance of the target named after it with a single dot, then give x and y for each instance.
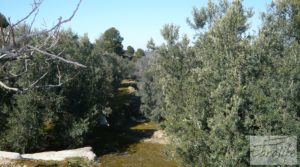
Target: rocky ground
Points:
(158, 137)
(78, 157)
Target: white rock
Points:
(158, 137)
(85, 152)
(9, 155)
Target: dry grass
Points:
(126, 90)
(127, 81)
(147, 152)
(137, 155)
(69, 162)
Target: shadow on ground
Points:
(108, 140)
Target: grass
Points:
(139, 154)
(143, 126)
(123, 148)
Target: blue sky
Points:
(137, 20)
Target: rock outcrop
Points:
(85, 152)
(9, 155)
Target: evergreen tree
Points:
(111, 42)
(130, 52)
(151, 45)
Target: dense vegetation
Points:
(69, 102)
(230, 84)
(209, 96)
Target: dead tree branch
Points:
(36, 5)
(15, 47)
(53, 56)
(8, 88)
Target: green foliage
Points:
(65, 105)
(3, 21)
(139, 54)
(229, 85)
(111, 42)
(151, 45)
(170, 33)
(5, 101)
(288, 12)
(130, 51)
(209, 97)
(26, 126)
(151, 96)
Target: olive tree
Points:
(20, 44)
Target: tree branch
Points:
(18, 47)
(57, 57)
(35, 82)
(36, 5)
(8, 88)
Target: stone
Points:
(85, 152)
(158, 137)
(9, 155)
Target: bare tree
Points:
(17, 46)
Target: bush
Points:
(228, 86)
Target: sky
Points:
(137, 20)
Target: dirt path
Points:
(158, 137)
(146, 152)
